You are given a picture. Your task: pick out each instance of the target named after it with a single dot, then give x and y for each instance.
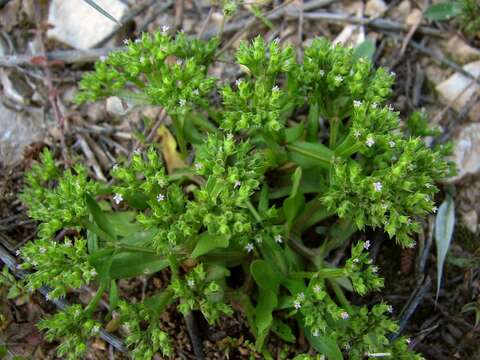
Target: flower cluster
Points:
(60, 266)
(143, 332)
(57, 201)
(75, 326)
(200, 290)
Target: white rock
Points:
(18, 130)
(116, 107)
(375, 7)
(81, 26)
(459, 89)
(467, 151)
(459, 50)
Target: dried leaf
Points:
(173, 158)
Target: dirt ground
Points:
(39, 73)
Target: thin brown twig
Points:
(382, 24)
(205, 23)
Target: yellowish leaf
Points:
(173, 158)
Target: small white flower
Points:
(322, 72)
(390, 309)
(137, 151)
(409, 341)
(103, 58)
(411, 167)
(195, 92)
(96, 329)
(138, 40)
(357, 103)
(18, 252)
(125, 41)
(42, 250)
(434, 209)
(238, 82)
(356, 261)
(258, 239)
(357, 133)
(182, 102)
(275, 88)
(165, 28)
(142, 59)
(126, 327)
(160, 197)
(375, 269)
(93, 273)
(367, 244)
(118, 198)
(315, 333)
(297, 305)
(237, 184)
(47, 296)
(191, 283)
(391, 144)
(411, 245)
(198, 166)
(278, 238)
(374, 105)
(409, 221)
(377, 186)
(370, 141)
(428, 185)
(339, 78)
(344, 315)
(115, 167)
(229, 136)
(390, 107)
(317, 289)
(77, 313)
(392, 73)
(249, 247)
(301, 296)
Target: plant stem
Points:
(340, 295)
(96, 299)
(178, 127)
(312, 123)
(254, 212)
(334, 126)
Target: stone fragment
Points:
(81, 26)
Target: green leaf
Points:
(283, 331)
(101, 260)
(124, 222)
(267, 301)
(102, 11)
(13, 292)
(140, 238)
(207, 243)
(129, 264)
(295, 202)
(3, 351)
(158, 302)
(325, 345)
(443, 11)
(309, 155)
(294, 133)
(113, 295)
(444, 224)
(264, 275)
(263, 202)
(99, 217)
(366, 50)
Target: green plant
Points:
(464, 11)
(266, 180)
